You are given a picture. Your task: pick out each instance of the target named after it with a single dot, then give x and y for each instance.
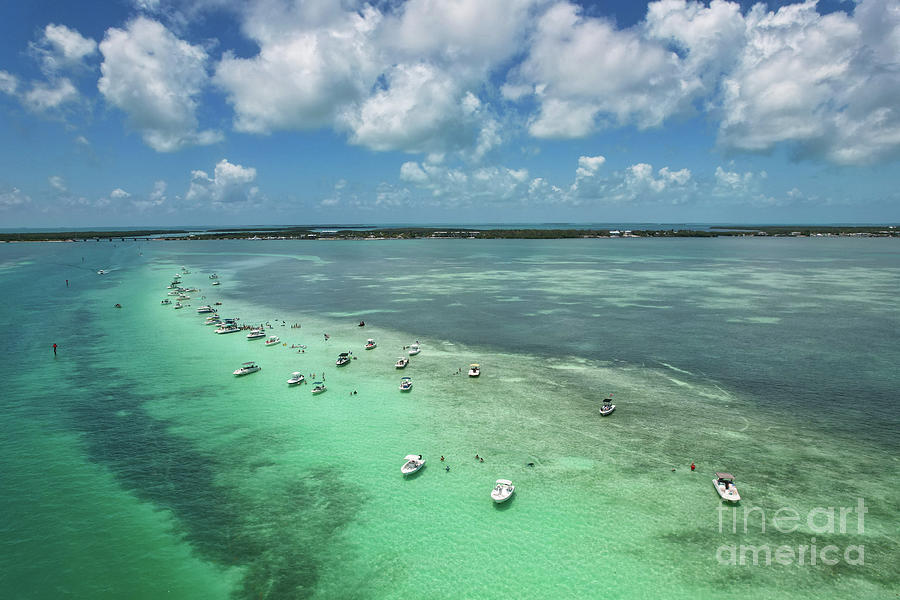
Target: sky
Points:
(291, 112)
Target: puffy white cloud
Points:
(13, 197)
(411, 171)
(825, 84)
(468, 38)
(313, 60)
(230, 184)
(57, 183)
(588, 165)
(156, 198)
(9, 83)
(455, 186)
(638, 183)
(155, 78)
(732, 180)
(397, 77)
(119, 194)
(44, 97)
(60, 47)
(583, 69)
(421, 109)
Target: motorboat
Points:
(255, 334)
(183, 297)
(273, 340)
(503, 491)
(178, 305)
(165, 301)
(724, 484)
(217, 282)
(474, 370)
(213, 321)
(296, 378)
(414, 349)
(319, 387)
(405, 384)
(174, 293)
(608, 407)
(413, 463)
(370, 343)
(206, 309)
(247, 368)
(102, 272)
(226, 328)
(401, 362)
(343, 359)
(213, 276)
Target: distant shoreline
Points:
(317, 233)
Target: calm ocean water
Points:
(136, 465)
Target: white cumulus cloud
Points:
(825, 85)
(9, 83)
(61, 47)
(13, 197)
(230, 184)
(585, 72)
(155, 78)
(44, 97)
(57, 183)
(314, 58)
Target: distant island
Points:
(368, 233)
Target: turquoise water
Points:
(136, 465)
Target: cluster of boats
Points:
(503, 488)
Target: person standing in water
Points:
(54, 349)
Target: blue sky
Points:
(168, 112)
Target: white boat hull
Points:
(607, 411)
(409, 469)
(731, 494)
(503, 491)
(242, 372)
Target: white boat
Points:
(607, 408)
(414, 349)
(296, 378)
(256, 334)
(165, 301)
(217, 282)
(179, 305)
(401, 362)
(228, 329)
(343, 359)
(724, 484)
(405, 384)
(474, 370)
(102, 272)
(273, 340)
(413, 463)
(247, 368)
(370, 343)
(206, 309)
(215, 321)
(175, 293)
(319, 387)
(213, 276)
(502, 491)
